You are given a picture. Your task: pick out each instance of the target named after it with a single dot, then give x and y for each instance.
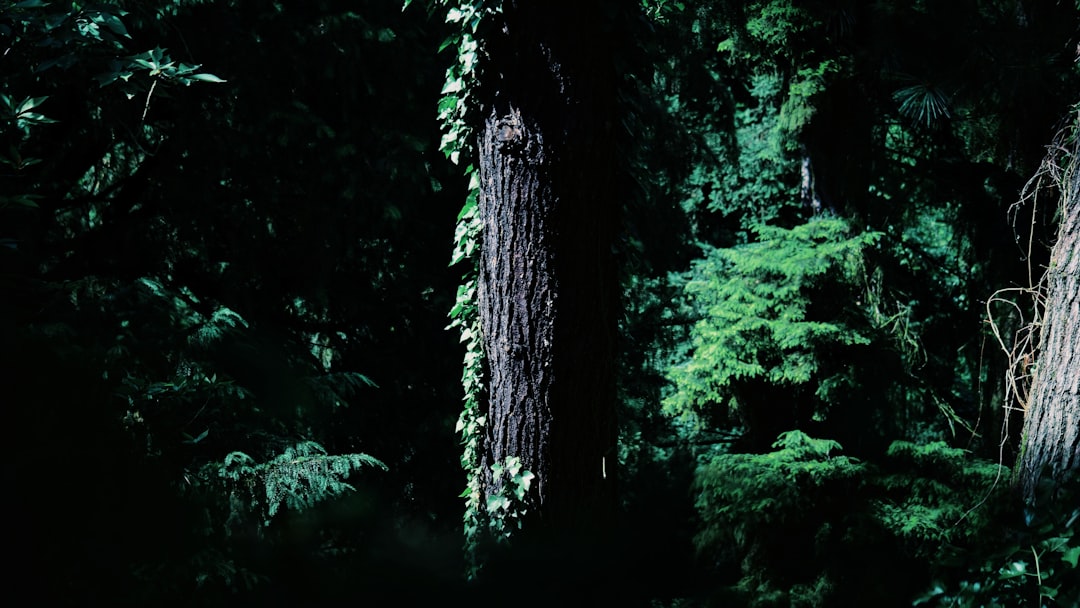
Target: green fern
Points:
(299, 478)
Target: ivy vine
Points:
(507, 507)
(455, 109)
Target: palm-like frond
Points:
(923, 103)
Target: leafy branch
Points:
(298, 478)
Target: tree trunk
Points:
(547, 285)
(1051, 438)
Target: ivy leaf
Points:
(452, 86)
(497, 502)
(523, 482)
(1071, 556)
(451, 40)
(470, 204)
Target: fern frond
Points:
(298, 478)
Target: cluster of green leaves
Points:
(457, 104)
(71, 33)
(774, 37)
(753, 302)
(507, 507)
(470, 423)
(21, 115)
(50, 37)
(747, 175)
(457, 137)
(159, 65)
(657, 10)
(1032, 564)
(65, 32)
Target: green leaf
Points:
(523, 483)
(36, 117)
(113, 23)
(108, 78)
(452, 86)
(451, 40)
(28, 104)
(470, 204)
(19, 200)
(1071, 556)
(497, 502)
(206, 78)
(446, 104)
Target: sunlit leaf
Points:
(206, 78)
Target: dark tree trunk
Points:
(1051, 438)
(547, 288)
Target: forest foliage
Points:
(231, 233)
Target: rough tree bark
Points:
(547, 285)
(1051, 437)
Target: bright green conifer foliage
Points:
(754, 325)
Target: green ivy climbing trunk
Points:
(547, 283)
(1052, 424)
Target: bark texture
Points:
(547, 275)
(1052, 425)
